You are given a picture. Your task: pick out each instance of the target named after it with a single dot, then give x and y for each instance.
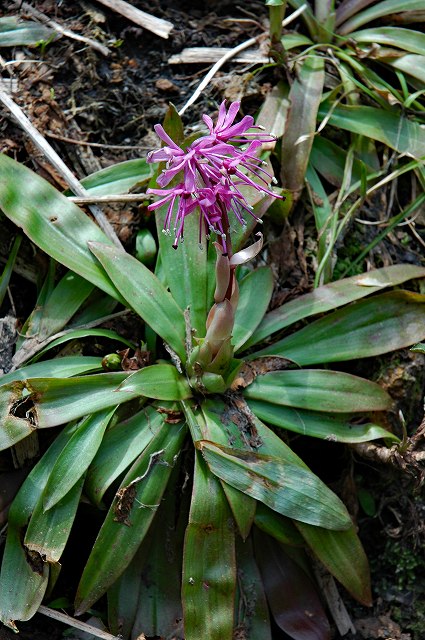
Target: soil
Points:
(96, 111)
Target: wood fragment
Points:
(76, 624)
(98, 145)
(42, 144)
(28, 9)
(211, 73)
(125, 197)
(210, 55)
(156, 25)
(337, 608)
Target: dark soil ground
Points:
(74, 96)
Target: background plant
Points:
(252, 507)
(350, 111)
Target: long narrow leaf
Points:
(319, 390)
(14, 32)
(121, 445)
(119, 178)
(52, 222)
(160, 381)
(209, 566)
(144, 293)
(186, 270)
(333, 295)
(130, 516)
(379, 10)
(389, 127)
(288, 489)
(48, 532)
(64, 367)
(343, 555)
(317, 424)
(304, 97)
(76, 457)
(368, 328)
(24, 577)
(254, 297)
(407, 39)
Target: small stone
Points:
(163, 84)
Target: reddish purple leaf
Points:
(291, 594)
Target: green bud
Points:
(111, 362)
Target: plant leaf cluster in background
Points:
(352, 113)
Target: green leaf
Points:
(333, 295)
(160, 381)
(146, 249)
(130, 516)
(277, 526)
(300, 613)
(146, 598)
(48, 532)
(57, 401)
(251, 611)
(343, 555)
(379, 10)
(64, 301)
(235, 425)
(286, 488)
(159, 607)
(121, 445)
(323, 211)
(186, 269)
(63, 367)
(10, 263)
(24, 577)
(419, 348)
(52, 222)
(329, 160)
(407, 39)
(389, 127)
(254, 297)
(119, 178)
(332, 427)
(76, 334)
(144, 293)
(368, 328)
(76, 456)
(274, 109)
(209, 565)
(243, 507)
(14, 33)
(304, 96)
(319, 390)
(294, 40)
(410, 63)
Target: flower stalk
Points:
(207, 178)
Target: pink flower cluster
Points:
(213, 169)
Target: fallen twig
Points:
(42, 144)
(59, 29)
(197, 55)
(77, 624)
(211, 73)
(159, 26)
(125, 197)
(99, 145)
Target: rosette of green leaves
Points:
(183, 522)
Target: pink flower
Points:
(213, 168)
